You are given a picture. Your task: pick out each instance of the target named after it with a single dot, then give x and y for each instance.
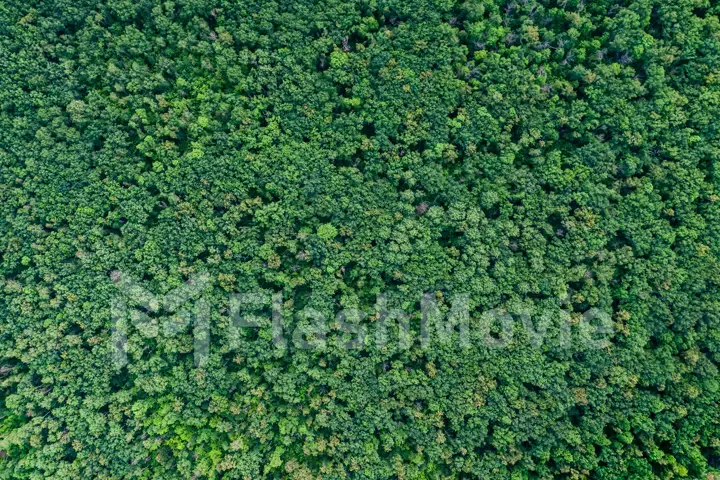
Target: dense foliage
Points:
(332, 151)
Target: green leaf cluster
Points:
(334, 150)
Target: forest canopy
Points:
(205, 205)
